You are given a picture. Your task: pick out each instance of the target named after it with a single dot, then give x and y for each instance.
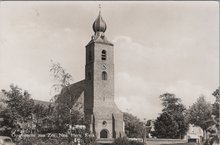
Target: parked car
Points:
(5, 140)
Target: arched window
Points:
(104, 56)
(104, 75)
(104, 133)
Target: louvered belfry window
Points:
(104, 55)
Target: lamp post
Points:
(70, 126)
(144, 125)
(70, 114)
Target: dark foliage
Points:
(19, 108)
(121, 141)
(215, 110)
(173, 111)
(19, 102)
(133, 126)
(200, 113)
(125, 141)
(165, 126)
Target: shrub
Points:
(125, 141)
(121, 141)
(135, 143)
(45, 141)
(68, 141)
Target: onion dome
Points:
(99, 25)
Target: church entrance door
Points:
(104, 133)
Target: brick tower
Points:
(104, 118)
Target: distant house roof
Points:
(195, 130)
(193, 136)
(44, 103)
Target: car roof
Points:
(4, 137)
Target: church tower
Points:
(101, 113)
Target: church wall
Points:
(99, 91)
(119, 124)
(103, 89)
(89, 93)
(100, 127)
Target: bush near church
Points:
(125, 141)
(54, 141)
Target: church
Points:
(96, 91)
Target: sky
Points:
(159, 47)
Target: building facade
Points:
(96, 91)
(100, 110)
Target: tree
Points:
(165, 126)
(40, 113)
(215, 110)
(173, 107)
(214, 129)
(63, 79)
(8, 123)
(19, 107)
(133, 126)
(200, 113)
(19, 102)
(171, 104)
(64, 113)
(52, 122)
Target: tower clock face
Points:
(104, 66)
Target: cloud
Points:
(189, 92)
(159, 47)
(124, 45)
(135, 95)
(143, 74)
(68, 30)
